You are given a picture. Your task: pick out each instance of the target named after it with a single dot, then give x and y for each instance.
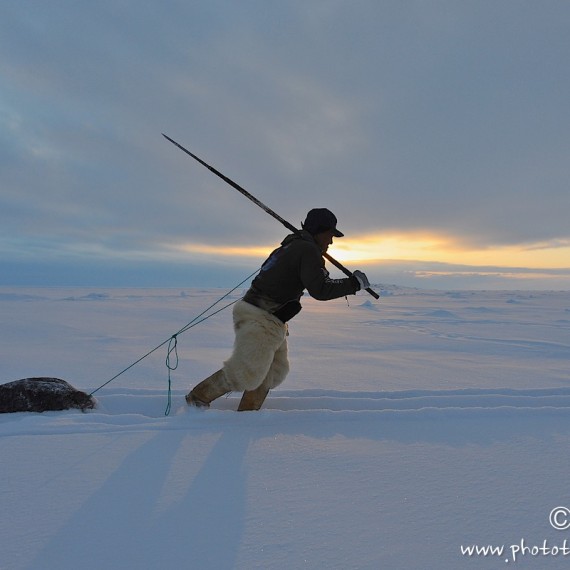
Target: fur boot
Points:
(253, 399)
(208, 390)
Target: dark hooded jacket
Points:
(295, 266)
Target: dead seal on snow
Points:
(41, 395)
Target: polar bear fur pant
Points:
(260, 350)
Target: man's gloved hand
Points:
(362, 279)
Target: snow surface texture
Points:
(409, 428)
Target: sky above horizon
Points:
(437, 131)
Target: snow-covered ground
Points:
(409, 429)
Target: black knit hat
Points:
(321, 220)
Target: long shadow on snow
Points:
(201, 530)
(204, 528)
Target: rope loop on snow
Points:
(172, 349)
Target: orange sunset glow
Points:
(420, 247)
(370, 249)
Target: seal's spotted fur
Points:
(42, 394)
